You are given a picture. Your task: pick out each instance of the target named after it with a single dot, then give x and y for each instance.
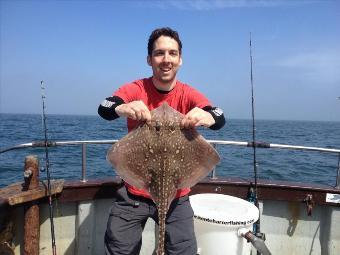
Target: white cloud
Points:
(205, 5)
(316, 66)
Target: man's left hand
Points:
(197, 117)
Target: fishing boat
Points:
(295, 218)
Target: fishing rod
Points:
(254, 144)
(47, 164)
(253, 120)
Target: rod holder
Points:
(31, 209)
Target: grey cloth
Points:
(128, 217)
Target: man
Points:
(135, 101)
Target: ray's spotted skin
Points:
(162, 157)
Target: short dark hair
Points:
(165, 31)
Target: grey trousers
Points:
(127, 219)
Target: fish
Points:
(162, 157)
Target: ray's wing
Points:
(198, 158)
(127, 157)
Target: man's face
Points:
(165, 60)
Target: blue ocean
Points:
(236, 161)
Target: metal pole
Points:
(213, 172)
(338, 175)
(222, 142)
(83, 163)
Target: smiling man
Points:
(134, 101)
(165, 59)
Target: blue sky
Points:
(84, 50)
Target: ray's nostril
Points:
(158, 126)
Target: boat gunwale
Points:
(105, 188)
(239, 187)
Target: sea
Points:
(236, 161)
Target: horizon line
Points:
(231, 118)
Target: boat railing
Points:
(84, 143)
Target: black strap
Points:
(218, 116)
(107, 109)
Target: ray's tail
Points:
(161, 231)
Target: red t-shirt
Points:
(182, 98)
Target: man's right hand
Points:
(135, 110)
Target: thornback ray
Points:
(161, 158)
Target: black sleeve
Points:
(218, 116)
(107, 109)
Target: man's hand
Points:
(197, 117)
(135, 110)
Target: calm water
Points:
(236, 161)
